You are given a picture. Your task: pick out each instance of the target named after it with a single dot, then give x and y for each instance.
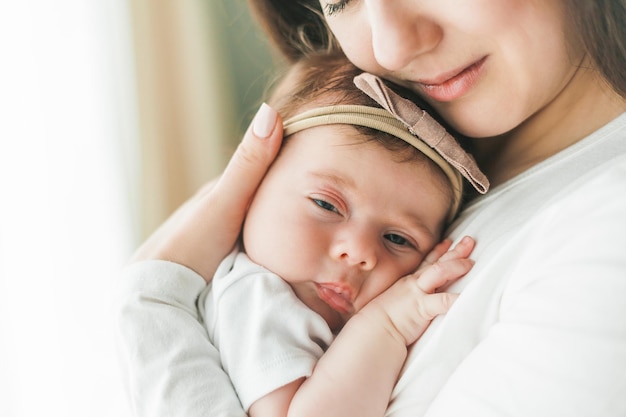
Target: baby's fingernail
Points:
(264, 121)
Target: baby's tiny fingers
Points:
(436, 304)
(442, 272)
(463, 249)
(437, 252)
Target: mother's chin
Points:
(474, 116)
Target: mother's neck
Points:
(570, 117)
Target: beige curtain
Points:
(186, 110)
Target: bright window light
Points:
(66, 140)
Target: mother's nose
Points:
(400, 32)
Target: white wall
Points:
(67, 148)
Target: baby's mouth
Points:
(337, 296)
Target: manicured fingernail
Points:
(264, 121)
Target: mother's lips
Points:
(337, 296)
(453, 84)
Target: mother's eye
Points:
(334, 8)
(325, 205)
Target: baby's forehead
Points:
(353, 140)
(353, 136)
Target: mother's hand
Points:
(204, 229)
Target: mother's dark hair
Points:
(297, 28)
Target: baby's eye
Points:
(397, 239)
(325, 205)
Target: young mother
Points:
(538, 89)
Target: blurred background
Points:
(112, 112)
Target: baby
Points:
(355, 202)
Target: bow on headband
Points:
(422, 125)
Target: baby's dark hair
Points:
(318, 80)
(327, 80)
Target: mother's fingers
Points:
(251, 160)
(207, 226)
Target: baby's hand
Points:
(407, 307)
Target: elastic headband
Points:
(405, 120)
(378, 119)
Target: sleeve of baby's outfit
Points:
(266, 336)
(170, 366)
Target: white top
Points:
(539, 328)
(266, 336)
